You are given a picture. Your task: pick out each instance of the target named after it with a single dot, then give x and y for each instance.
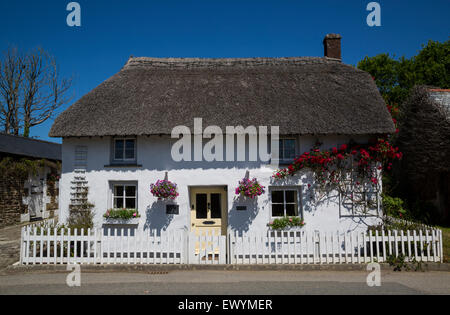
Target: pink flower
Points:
(134, 214)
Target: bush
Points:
(81, 216)
(393, 206)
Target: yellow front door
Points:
(208, 214)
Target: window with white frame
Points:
(124, 150)
(287, 150)
(285, 202)
(124, 196)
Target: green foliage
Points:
(81, 216)
(393, 206)
(399, 263)
(432, 64)
(125, 214)
(19, 169)
(395, 78)
(285, 222)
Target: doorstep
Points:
(18, 268)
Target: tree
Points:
(31, 90)
(395, 78)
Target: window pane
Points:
(118, 202)
(277, 210)
(130, 203)
(130, 191)
(291, 196)
(118, 150)
(129, 149)
(289, 149)
(118, 191)
(201, 210)
(216, 209)
(280, 147)
(277, 196)
(291, 210)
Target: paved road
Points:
(228, 282)
(9, 245)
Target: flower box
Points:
(133, 221)
(122, 216)
(285, 223)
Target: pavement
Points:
(227, 282)
(9, 245)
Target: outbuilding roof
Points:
(28, 147)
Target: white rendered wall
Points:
(153, 153)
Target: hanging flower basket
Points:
(164, 189)
(249, 188)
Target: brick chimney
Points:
(332, 46)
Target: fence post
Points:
(22, 234)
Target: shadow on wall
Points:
(156, 217)
(240, 220)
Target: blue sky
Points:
(112, 30)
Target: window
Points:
(124, 196)
(287, 150)
(124, 149)
(285, 202)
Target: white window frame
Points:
(124, 159)
(124, 184)
(297, 189)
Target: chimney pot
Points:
(332, 46)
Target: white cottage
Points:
(117, 139)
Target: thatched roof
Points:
(303, 95)
(424, 136)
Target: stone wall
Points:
(11, 206)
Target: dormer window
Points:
(124, 150)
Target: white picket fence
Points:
(302, 247)
(126, 246)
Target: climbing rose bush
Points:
(164, 189)
(330, 166)
(249, 188)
